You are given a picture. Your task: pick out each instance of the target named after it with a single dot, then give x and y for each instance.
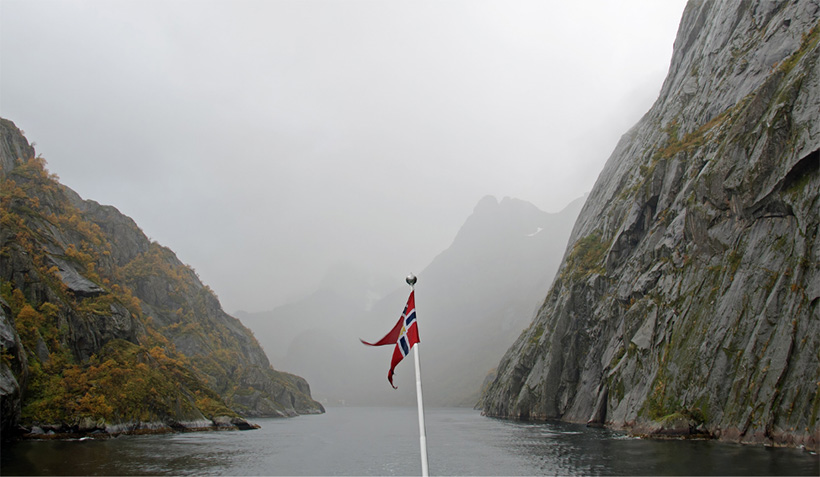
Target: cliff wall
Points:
(687, 301)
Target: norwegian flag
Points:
(405, 334)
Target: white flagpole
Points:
(411, 280)
(422, 431)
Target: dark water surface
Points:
(384, 441)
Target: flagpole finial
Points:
(411, 279)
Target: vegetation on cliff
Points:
(110, 327)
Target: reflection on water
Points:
(384, 441)
(559, 448)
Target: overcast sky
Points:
(265, 141)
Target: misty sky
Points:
(265, 141)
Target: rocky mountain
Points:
(472, 300)
(104, 329)
(688, 299)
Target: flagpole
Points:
(411, 280)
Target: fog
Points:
(266, 142)
(474, 299)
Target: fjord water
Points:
(384, 441)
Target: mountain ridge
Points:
(90, 307)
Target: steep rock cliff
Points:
(102, 328)
(687, 301)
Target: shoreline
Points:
(656, 430)
(109, 431)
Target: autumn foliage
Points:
(123, 381)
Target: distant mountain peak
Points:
(488, 202)
(474, 297)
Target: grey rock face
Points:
(13, 146)
(13, 372)
(75, 282)
(689, 292)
